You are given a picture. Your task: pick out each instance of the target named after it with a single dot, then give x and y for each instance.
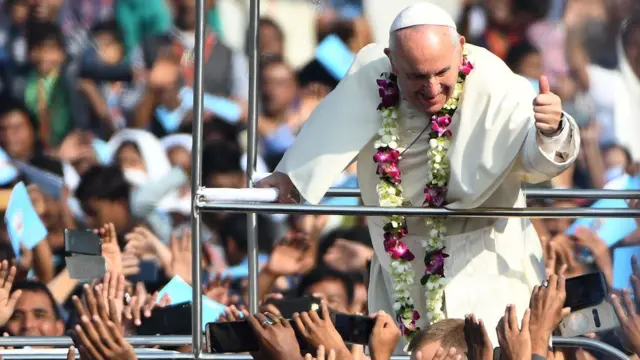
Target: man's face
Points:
(333, 291)
(270, 41)
(426, 61)
(47, 57)
(16, 135)
(44, 9)
(102, 211)
(185, 13)
(278, 89)
(34, 315)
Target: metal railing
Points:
(64, 341)
(531, 193)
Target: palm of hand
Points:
(6, 308)
(181, 265)
(286, 260)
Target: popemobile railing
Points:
(206, 199)
(63, 341)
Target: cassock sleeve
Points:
(342, 124)
(543, 157)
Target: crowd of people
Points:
(96, 96)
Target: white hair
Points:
(453, 33)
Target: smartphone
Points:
(84, 242)
(593, 319)
(288, 307)
(354, 329)
(586, 291)
(169, 320)
(148, 272)
(85, 267)
(230, 337)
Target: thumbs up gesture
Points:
(547, 108)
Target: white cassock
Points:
(495, 148)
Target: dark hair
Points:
(518, 52)
(103, 182)
(537, 8)
(38, 286)
(234, 226)
(219, 129)
(220, 157)
(109, 27)
(267, 21)
(323, 273)
(11, 104)
(627, 153)
(40, 32)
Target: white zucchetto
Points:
(422, 13)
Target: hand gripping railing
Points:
(64, 341)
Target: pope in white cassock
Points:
(435, 122)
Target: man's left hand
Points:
(547, 108)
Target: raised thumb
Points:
(545, 88)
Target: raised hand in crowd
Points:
(318, 329)
(551, 264)
(321, 354)
(628, 317)
(276, 338)
(564, 250)
(112, 288)
(384, 337)
(110, 249)
(7, 300)
(181, 257)
(515, 341)
(143, 242)
(547, 310)
(142, 304)
(99, 335)
(267, 306)
(217, 289)
(233, 313)
(71, 353)
(479, 345)
(588, 239)
(289, 257)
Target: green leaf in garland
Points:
(424, 280)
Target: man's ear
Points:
(462, 41)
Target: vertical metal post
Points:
(196, 181)
(252, 151)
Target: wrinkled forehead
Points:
(424, 50)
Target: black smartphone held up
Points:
(230, 337)
(148, 272)
(354, 329)
(288, 307)
(585, 291)
(84, 242)
(169, 320)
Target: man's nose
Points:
(432, 88)
(29, 323)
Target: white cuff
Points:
(557, 147)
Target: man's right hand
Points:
(287, 193)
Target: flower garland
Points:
(389, 190)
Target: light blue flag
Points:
(8, 172)
(49, 183)
(222, 107)
(170, 120)
(622, 269)
(335, 56)
(611, 230)
(22, 221)
(180, 292)
(241, 270)
(103, 151)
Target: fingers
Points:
(513, 318)
(71, 353)
(85, 345)
(628, 303)
(525, 320)
(320, 354)
(545, 88)
(4, 270)
(617, 307)
(256, 324)
(300, 325)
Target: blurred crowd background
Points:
(96, 95)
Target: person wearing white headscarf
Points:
(499, 141)
(146, 166)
